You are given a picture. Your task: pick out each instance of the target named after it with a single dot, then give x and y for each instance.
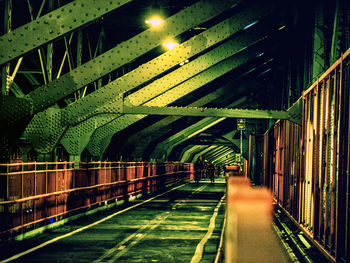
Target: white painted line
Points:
(82, 228)
(199, 249)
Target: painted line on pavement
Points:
(83, 228)
(139, 234)
(199, 249)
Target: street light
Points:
(156, 17)
(154, 20)
(170, 45)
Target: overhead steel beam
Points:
(216, 152)
(201, 152)
(221, 155)
(52, 26)
(206, 112)
(77, 112)
(196, 151)
(188, 132)
(121, 122)
(106, 97)
(148, 135)
(159, 128)
(179, 91)
(219, 158)
(125, 52)
(185, 155)
(188, 145)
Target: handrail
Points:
(21, 200)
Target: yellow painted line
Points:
(199, 249)
(82, 228)
(153, 223)
(220, 248)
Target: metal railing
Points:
(35, 194)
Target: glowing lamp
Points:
(154, 21)
(170, 45)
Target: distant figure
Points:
(198, 169)
(218, 169)
(211, 169)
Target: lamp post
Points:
(241, 127)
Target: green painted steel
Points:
(52, 26)
(156, 130)
(187, 151)
(295, 112)
(318, 66)
(218, 158)
(210, 155)
(124, 53)
(79, 111)
(138, 142)
(78, 136)
(179, 91)
(200, 152)
(207, 112)
(337, 32)
(108, 96)
(168, 144)
(190, 70)
(218, 69)
(185, 134)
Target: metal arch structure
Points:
(96, 148)
(42, 97)
(85, 105)
(102, 100)
(159, 138)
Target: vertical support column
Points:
(5, 83)
(318, 44)
(335, 49)
(49, 51)
(251, 161)
(99, 48)
(75, 159)
(5, 79)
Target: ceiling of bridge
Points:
(89, 59)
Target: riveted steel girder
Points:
(190, 70)
(216, 152)
(125, 52)
(215, 155)
(168, 144)
(188, 132)
(186, 153)
(295, 112)
(106, 98)
(201, 152)
(80, 110)
(207, 112)
(53, 25)
(179, 91)
(77, 137)
(184, 88)
(148, 134)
